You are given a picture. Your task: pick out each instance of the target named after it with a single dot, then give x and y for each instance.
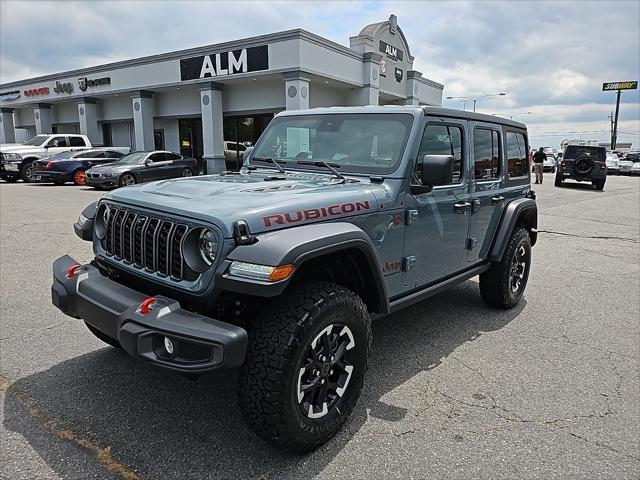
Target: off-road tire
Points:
(279, 343)
(558, 181)
(599, 184)
(496, 283)
(105, 338)
(27, 167)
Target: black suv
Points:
(583, 163)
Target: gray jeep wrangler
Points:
(338, 216)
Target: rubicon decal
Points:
(314, 213)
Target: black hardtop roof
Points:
(466, 115)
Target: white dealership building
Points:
(207, 101)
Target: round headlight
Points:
(208, 246)
(101, 221)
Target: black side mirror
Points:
(436, 170)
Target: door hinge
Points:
(408, 263)
(412, 217)
(471, 243)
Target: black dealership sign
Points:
(253, 59)
(390, 51)
(619, 86)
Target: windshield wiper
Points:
(272, 161)
(327, 165)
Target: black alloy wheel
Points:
(325, 372)
(186, 172)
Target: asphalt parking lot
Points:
(456, 390)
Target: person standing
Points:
(538, 164)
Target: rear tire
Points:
(305, 366)
(187, 172)
(558, 182)
(599, 184)
(105, 338)
(503, 284)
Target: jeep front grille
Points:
(147, 242)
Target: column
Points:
(88, 116)
(143, 108)
(7, 131)
(42, 115)
(296, 90)
(212, 131)
(413, 88)
(369, 94)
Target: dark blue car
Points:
(70, 166)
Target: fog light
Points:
(168, 345)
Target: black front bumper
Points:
(201, 344)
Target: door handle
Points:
(497, 199)
(461, 207)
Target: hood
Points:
(266, 201)
(18, 148)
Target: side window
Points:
(157, 157)
(76, 142)
(173, 156)
(113, 154)
(58, 142)
(441, 140)
(516, 145)
(486, 152)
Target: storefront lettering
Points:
(36, 91)
(84, 82)
(66, 87)
(391, 51)
(244, 60)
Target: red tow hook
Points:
(71, 271)
(145, 307)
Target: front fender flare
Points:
(297, 245)
(522, 211)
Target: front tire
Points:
(127, 179)
(503, 284)
(305, 366)
(26, 172)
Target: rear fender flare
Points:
(295, 246)
(522, 212)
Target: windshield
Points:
(365, 143)
(37, 140)
(132, 158)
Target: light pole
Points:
(474, 100)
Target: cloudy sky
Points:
(550, 57)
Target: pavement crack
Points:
(595, 237)
(605, 446)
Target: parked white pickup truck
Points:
(16, 159)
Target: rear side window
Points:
(112, 154)
(173, 156)
(516, 146)
(76, 142)
(93, 155)
(441, 140)
(486, 150)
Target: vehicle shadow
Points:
(580, 186)
(159, 424)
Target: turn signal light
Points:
(281, 273)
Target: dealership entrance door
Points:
(190, 135)
(241, 132)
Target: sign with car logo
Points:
(244, 60)
(619, 86)
(84, 82)
(13, 95)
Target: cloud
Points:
(548, 56)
